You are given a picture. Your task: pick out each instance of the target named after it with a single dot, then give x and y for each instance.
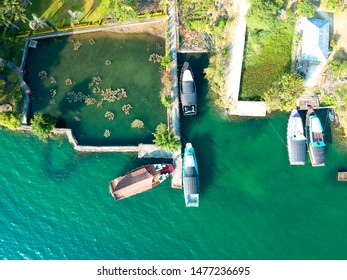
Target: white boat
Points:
(191, 185)
(296, 141)
(314, 138)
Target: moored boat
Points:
(191, 184)
(139, 180)
(296, 140)
(314, 138)
(188, 91)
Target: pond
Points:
(68, 73)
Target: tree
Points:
(283, 93)
(123, 10)
(339, 68)
(166, 100)
(36, 22)
(11, 10)
(42, 124)
(261, 16)
(306, 9)
(10, 120)
(165, 138)
(74, 17)
(164, 4)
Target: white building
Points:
(314, 48)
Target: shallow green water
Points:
(253, 205)
(130, 69)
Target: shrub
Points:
(10, 120)
(42, 124)
(165, 138)
(306, 9)
(283, 93)
(166, 61)
(166, 100)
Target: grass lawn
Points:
(57, 10)
(267, 60)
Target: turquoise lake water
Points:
(55, 202)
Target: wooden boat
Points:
(191, 185)
(188, 91)
(296, 141)
(314, 138)
(139, 180)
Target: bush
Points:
(283, 93)
(166, 61)
(306, 9)
(10, 120)
(165, 138)
(166, 100)
(334, 4)
(42, 124)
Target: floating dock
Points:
(342, 176)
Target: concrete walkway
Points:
(95, 28)
(175, 109)
(237, 50)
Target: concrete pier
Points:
(175, 109)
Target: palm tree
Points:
(164, 4)
(74, 17)
(165, 138)
(36, 21)
(11, 10)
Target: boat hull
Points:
(139, 180)
(191, 183)
(314, 139)
(296, 141)
(188, 91)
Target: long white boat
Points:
(296, 141)
(191, 184)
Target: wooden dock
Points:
(342, 176)
(303, 102)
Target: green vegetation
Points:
(268, 50)
(166, 61)
(10, 120)
(336, 4)
(284, 92)
(306, 9)
(11, 11)
(334, 87)
(10, 90)
(165, 138)
(123, 10)
(201, 19)
(42, 124)
(166, 100)
(215, 74)
(339, 68)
